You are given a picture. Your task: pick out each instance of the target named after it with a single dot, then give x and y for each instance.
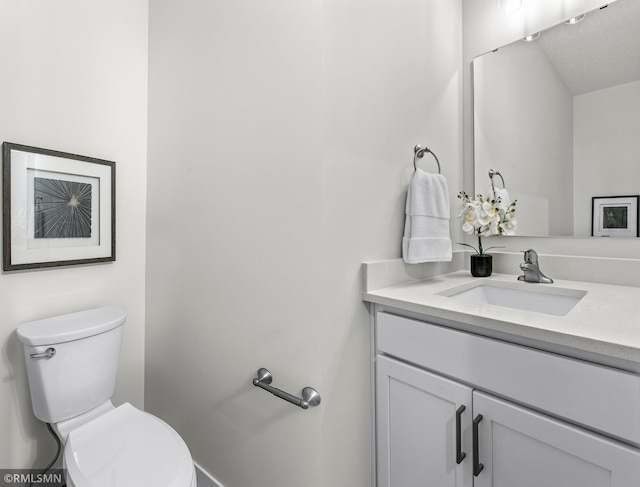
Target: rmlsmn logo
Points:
(32, 478)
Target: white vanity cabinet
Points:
(457, 409)
(519, 447)
(422, 427)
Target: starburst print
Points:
(62, 209)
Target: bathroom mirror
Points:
(559, 118)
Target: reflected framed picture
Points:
(58, 208)
(614, 216)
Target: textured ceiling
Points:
(601, 51)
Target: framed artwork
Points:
(58, 208)
(614, 216)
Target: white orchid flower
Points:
(485, 217)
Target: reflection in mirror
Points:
(559, 117)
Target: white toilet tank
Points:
(80, 374)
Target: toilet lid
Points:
(127, 447)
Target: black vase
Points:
(481, 265)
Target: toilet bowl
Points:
(128, 448)
(71, 365)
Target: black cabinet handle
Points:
(460, 455)
(477, 466)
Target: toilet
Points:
(72, 362)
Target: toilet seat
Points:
(127, 447)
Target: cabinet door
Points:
(521, 448)
(417, 439)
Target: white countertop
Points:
(606, 321)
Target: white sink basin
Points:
(541, 298)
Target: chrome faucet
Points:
(531, 269)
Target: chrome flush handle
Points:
(48, 353)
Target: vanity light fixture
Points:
(574, 20)
(531, 37)
(509, 6)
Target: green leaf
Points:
(467, 245)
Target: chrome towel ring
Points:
(418, 153)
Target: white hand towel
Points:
(426, 229)
(503, 195)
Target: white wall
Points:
(607, 147)
(485, 28)
(280, 147)
(74, 79)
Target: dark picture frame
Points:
(614, 216)
(58, 208)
